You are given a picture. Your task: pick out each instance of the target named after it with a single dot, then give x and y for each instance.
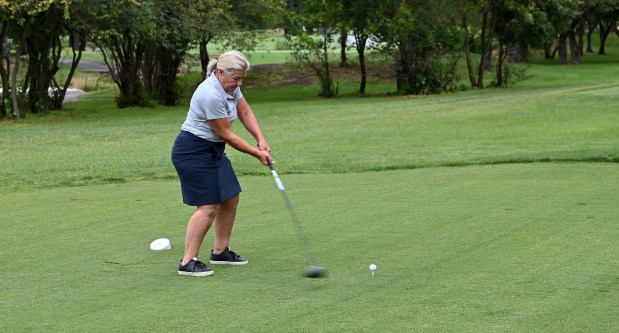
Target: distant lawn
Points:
(93, 142)
(322, 136)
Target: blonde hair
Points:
(228, 62)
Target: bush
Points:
(282, 45)
(136, 97)
(514, 73)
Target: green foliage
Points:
(513, 74)
(313, 52)
(282, 45)
(311, 49)
(420, 37)
(165, 52)
(138, 97)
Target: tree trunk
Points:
(590, 31)
(548, 54)
(4, 72)
(487, 34)
(554, 52)
(467, 51)
(483, 42)
(580, 33)
(167, 68)
(575, 37)
(18, 54)
(562, 49)
(362, 67)
(326, 81)
(605, 29)
(204, 59)
(413, 76)
(575, 57)
(126, 56)
(78, 44)
(133, 93)
(500, 80)
(343, 44)
(44, 50)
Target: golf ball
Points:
(372, 267)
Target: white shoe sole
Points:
(213, 262)
(196, 274)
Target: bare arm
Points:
(247, 117)
(224, 131)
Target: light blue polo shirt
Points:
(210, 101)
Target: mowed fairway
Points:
(516, 248)
(485, 211)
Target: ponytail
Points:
(212, 65)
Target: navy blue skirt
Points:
(206, 174)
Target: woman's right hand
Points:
(264, 157)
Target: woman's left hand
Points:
(262, 145)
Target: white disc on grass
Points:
(160, 244)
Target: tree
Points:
(312, 50)
(501, 32)
(209, 20)
(424, 36)
(164, 53)
(5, 56)
(78, 28)
(122, 32)
(569, 18)
(606, 15)
(231, 23)
(42, 48)
(17, 17)
(513, 24)
(363, 19)
(468, 10)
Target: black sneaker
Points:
(227, 258)
(194, 268)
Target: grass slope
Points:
(574, 123)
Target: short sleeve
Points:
(214, 107)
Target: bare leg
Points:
(199, 224)
(224, 224)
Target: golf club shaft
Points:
(309, 258)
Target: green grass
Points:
(268, 57)
(510, 248)
(338, 135)
(485, 211)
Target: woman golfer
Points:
(206, 175)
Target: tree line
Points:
(427, 38)
(143, 42)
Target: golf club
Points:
(312, 271)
